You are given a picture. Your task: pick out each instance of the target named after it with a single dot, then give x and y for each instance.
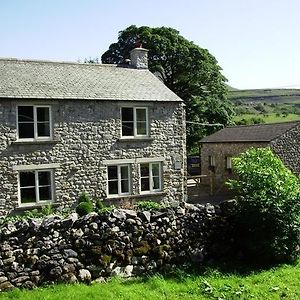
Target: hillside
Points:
(265, 105)
(265, 95)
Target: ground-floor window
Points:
(119, 180)
(35, 186)
(150, 177)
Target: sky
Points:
(256, 42)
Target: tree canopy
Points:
(188, 70)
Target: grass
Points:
(270, 118)
(278, 283)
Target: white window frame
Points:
(228, 162)
(211, 161)
(119, 180)
(151, 181)
(37, 193)
(135, 135)
(35, 127)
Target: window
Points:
(150, 177)
(119, 181)
(35, 186)
(134, 121)
(228, 162)
(211, 161)
(34, 122)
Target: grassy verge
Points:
(270, 118)
(278, 283)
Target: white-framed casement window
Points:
(135, 121)
(34, 122)
(228, 162)
(118, 180)
(36, 187)
(211, 161)
(150, 177)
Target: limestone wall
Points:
(86, 133)
(124, 243)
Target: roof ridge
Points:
(262, 124)
(31, 60)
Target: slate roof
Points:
(31, 79)
(250, 133)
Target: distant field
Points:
(272, 118)
(266, 95)
(266, 105)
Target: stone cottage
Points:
(117, 133)
(218, 149)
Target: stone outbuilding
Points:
(114, 132)
(218, 149)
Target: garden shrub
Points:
(148, 205)
(267, 213)
(85, 205)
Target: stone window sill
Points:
(46, 142)
(35, 206)
(136, 139)
(157, 194)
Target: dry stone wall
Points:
(122, 242)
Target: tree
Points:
(266, 221)
(188, 70)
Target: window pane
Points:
(141, 128)
(113, 187)
(28, 195)
(26, 130)
(125, 186)
(43, 129)
(44, 178)
(112, 172)
(42, 114)
(144, 170)
(127, 114)
(155, 170)
(45, 193)
(27, 179)
(141, 114)
(145, 184)
(124, 172)
(156, 183)
(25, 113)
(127, 129)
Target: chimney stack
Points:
(139, 57)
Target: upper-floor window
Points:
(119, 180)
(228, 162)
(150, 177)
(211, 161)
(34, 122)
(35, 186)
(134, 121)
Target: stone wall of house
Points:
(219, 174)
(86, 133)
(123, 242)
(287, 147)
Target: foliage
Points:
(148, 205)
(267, 217)
(84, 208)
(85, 205)
(188, 70)
(277, 283)
(250, 121)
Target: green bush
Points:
(147, 205)
(85, 205)
(267, 214)
(84, 208)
